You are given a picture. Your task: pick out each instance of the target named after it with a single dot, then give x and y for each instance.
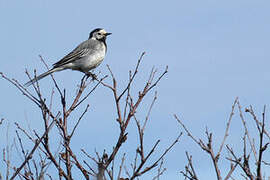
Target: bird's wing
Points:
(82, 50)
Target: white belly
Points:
(90, 62)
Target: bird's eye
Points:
(99, 33)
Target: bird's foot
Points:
(89, 74)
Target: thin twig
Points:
(132, 77)
(31, 152)
(227, 127)
(246, 131)
(86, 109)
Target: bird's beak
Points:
(107, 34)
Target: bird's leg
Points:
(88, 74)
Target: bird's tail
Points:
(32, 81)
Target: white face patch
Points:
(102, 31)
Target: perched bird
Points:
(85, 57)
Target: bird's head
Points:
(99, 34)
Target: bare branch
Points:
(86, 109)
(227, 127)
(132, 77)
(190, 171)
(31, 152)
(246, 130)
(121, 166)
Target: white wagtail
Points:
(85, 57)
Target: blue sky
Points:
(215, 50)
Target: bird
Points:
(85, 57)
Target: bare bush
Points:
(242, 161)
(36, 161)
(48, 160)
